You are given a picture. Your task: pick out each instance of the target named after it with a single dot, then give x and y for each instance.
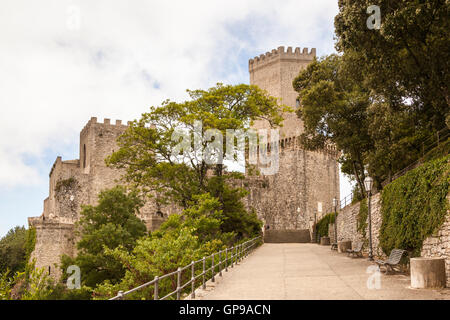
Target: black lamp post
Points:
(368, 183)
(335, 203)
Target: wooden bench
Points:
(357, 251)
(393, 260)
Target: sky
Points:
(63, 62)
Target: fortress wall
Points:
(74, 183)
(53, 239)
(289, 199)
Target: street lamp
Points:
(335, 203)
(368, 183)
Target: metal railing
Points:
(226, 258)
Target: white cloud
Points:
(126, 56)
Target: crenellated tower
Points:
(74, 183)
(274, 72)
(306, 181)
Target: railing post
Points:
(204, 273)
(231, 256)
(193, 280)
(213, 270)
(220, 263)
(156, 293)
(226, 259)
(120, 294)
(178, 283)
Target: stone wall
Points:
(287, 236)
(347, 225)
(288, 200)
(438, 244)
(53, 239)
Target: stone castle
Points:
(290, 200)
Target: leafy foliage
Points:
(111, 223)
(334, 108)
(362, 217)
(31, 284)
(414, 206)
(407, 58)
(386, 96)
(323, 224)
(181, 239)
(151, 157)
(12, 250)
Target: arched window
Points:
(84, 156)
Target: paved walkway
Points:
(308, 271)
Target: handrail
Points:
(238, 252)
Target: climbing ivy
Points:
(30, 243)
(414, 206)
(362, 218)
(322, 224)
(65, 184)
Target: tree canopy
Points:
(384, 98)
(112, 223)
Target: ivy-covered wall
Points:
(322, 225)
(412, 213)
(414, 206)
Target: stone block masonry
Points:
(435, 246)
(438, 244)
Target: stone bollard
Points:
(343, 246)
(428, 273)
(325, 241)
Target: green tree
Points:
(148, 152)
(112, 223)
(334, 109)
(407, 58)
(12, 250)
(181, 239)
(155, 165)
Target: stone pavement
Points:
(308, 271)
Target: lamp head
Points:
(335, 202)
(368, 183)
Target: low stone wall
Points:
(347, 225)
(435, 246)
(287, 236)
(438, 244)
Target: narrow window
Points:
(84, 156)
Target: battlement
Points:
(281, 54)
(293, 143)
(106, 122)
